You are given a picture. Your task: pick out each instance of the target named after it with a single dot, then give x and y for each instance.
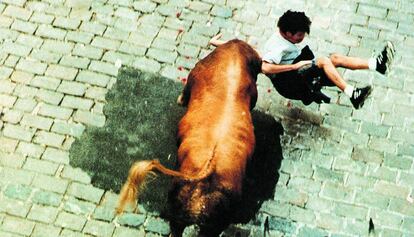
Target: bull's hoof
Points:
(180, 100)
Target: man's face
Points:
(295, 38)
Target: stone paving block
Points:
(371, 199)
(127, 232)
(45, 82)
(322, 174)
(364, 32)
(11, 160)
(50, 183)
(116, 34)
(348, 165)
(320, 204)
(78, 207)
(41, 166)
(86, 192)
(391, 189)
(369, 156)
(72, 88)
(373, 11)
(49, 139)
(6, 86)
(102, 67)
(157, 225)
(118, 59)
(61, 72)
(8, 34)
(19, 3)
(79, 37)
(24, 26)
(41, 17)
(43, 214)
(65, 128)
(66, 23)
(144, 6)
(164, 44)
(401, 206)
(304, 184)
(195, 39)
(131, 219)
(49, 96)
(87, 51)
(75, 174)
(99, 228)
(37, 122)
(47, 198)
(56, 155)
(5, 72)
(25, 91)
(93, 27)
(70, 221)
(16, 49)
(30, 149)
(14, 207)
(132, 49)
(58, 46)
(162, 55)
(17, 12)
(330, 222)
(42, 230)
(18, 132)
(31, 66)
(337, 192)
(292, 196)
(45, 56)
(104, 213)
(146, 64)
(76, 103)
(21, 77)
(93, 78)
(50, 32)
(77, 62)
(302, 215)
(11, 61)
(12, 116)
(105, 43)
(140, 39)
(18, 191)
(17, 226)
(16, 176)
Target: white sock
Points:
(348, 90)
(372, 63)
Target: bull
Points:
(215, 142)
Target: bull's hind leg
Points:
(177, 229)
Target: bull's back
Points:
(218, 117)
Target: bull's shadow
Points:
(141, 124)
(262, 171)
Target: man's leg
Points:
(380, 63)
(356, 95)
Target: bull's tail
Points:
(139, 171)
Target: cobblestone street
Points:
(341, 167)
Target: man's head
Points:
(294, 25)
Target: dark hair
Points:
(294, 22)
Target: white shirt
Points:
(278, 50)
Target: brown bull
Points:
(216, 140)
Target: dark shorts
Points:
(303, 84)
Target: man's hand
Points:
(216, 40)
(300, 64)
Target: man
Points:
(296, 74)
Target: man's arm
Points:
(271, 68)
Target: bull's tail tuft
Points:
(135, 182)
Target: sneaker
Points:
(384, 59)
(359, 95)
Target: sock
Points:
(372, 63)
(348, 90)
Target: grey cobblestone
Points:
(56, 155)
(47, 198)
(70, 221)
(78, 207)
(99, 228)
(43, 214)
(18, 226)
(30, 149)
(42, 230)
(64, 128)
(86, 192)
(55, 111)
(41, 166)
(72, 88)
(50, 183)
